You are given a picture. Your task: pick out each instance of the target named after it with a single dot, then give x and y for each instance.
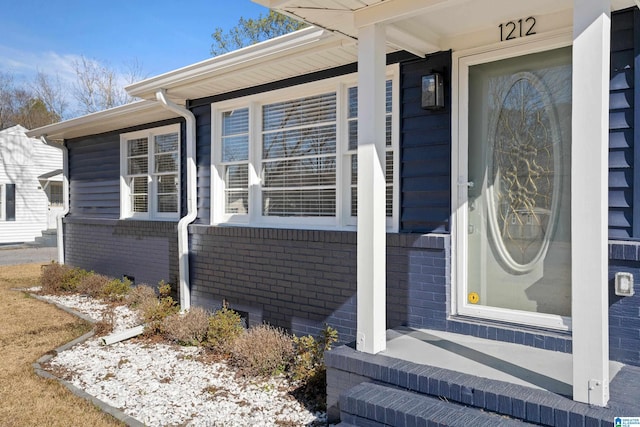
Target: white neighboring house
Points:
(30, 186)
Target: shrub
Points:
(262, 351)
(139, 294)
(189, 328)
(309, 368)
(57, 278)
(93, 285)
(309, 353)
(154, 311)
(116, 289)
(225, 326)
(107, 323)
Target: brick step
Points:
(347, 368)
(375, 405)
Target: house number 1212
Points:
(520, 28)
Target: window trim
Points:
(254, 218)
(152, 213)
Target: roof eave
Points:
(249, 56)
(103, 121)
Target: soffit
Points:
(302, 52)
(126, 116)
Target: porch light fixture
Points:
(432, 92)
(624, 284)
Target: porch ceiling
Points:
(425, 26)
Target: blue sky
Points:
(48, 35)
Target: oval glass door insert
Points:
(523, 172)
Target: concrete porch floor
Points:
(501, 361)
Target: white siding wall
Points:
(22, 161)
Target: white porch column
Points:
(589, 200)
(372, 238)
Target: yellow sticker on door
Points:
(474, 297)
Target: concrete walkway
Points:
(24, 254)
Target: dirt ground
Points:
(28, 329)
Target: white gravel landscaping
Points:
(162, 385)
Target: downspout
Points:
(192, 209)
(65, 195)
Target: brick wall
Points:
(302, 279)
(146, 250)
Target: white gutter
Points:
(183, 224)
(65, 193)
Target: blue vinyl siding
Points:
(94, 171)
(425, 146)
(622, 133)
(203, 161)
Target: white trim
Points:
(589, 200)
(459, 168)
(125, 201)
(342, 219)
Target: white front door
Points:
(515, 205)
(55, 205)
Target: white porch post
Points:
(589, 199)
(372, 238)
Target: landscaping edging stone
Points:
(37, 367)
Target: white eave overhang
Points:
(122, 117)
(426, 26)
(302, 52)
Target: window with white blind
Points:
(352, 120)
(289, 158)
(150, 173)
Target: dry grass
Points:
(28, 329)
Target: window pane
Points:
(237, 202)
(139, 185)
(235, 135)
(166, 143)
(139, 203)
(314, 202)
(353, 134)
(353, 102)
(353, 145)
(300, 142)
(388, 179)
(55, 194)
(167, 184)
(313, 171)
(139, 191)
(235, 122)
(236, 176)
(235, 148)
(137, 147)
(10, 201)
(166, 163)
(299, 112)
(167, 203)
(138, 165)
(354, 201)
